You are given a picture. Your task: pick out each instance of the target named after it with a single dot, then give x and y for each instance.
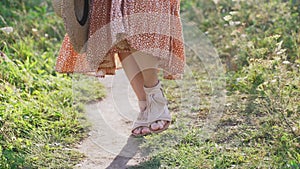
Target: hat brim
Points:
(78, 32)
(57, 7)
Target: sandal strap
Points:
(165, 115)
(156, 104)
(142, 120)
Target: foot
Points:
(141, 128)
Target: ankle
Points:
(142, 105)
(151, 85)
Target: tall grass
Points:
(259, 43)
(38, 120)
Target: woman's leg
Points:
(133, 74)
(149, 67)
(135, 77)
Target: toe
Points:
(158, 125)
(145, 130)
(161, 124)
(155, 126)
(137, 131)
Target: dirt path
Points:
(109, 144)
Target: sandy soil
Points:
(109, 144)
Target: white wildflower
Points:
(227, 18)
(273, 81)
(237, 22)
(234, 23)
(233, 12)
(276, 58)
(276, 36)
(239, 79)
(281, 51)
(243, 35)
(7, 30)
(216, 1)
(286, 62)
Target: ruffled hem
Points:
(112, 18)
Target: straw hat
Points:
(57, 6)
(75, 14)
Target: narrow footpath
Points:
(109, 144)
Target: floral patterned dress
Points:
(116, 26)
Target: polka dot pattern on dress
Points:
(116, 26)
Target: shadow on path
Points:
(127, 153)
(110, 144)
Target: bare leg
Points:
(136, 79)
(150, 77)
(148, 64)
(133, 74)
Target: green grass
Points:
(259, 45)
(39, 122)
